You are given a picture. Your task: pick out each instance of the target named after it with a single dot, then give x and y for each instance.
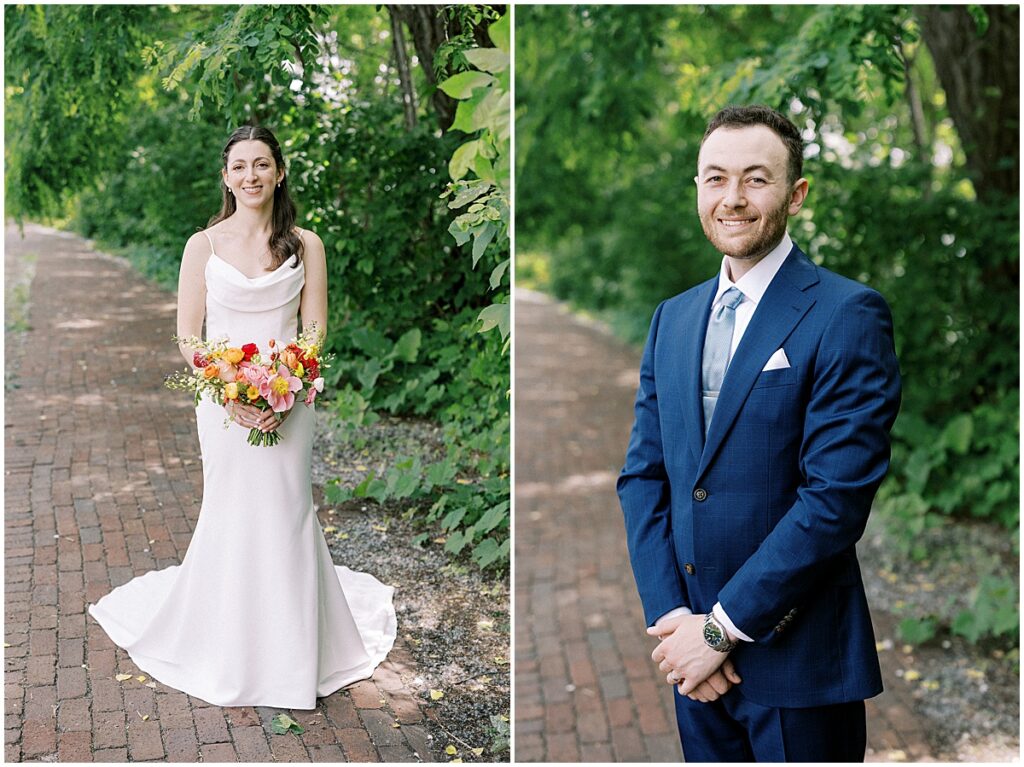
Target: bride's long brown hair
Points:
(284, 242)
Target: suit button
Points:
(700, 494)
(690, 569)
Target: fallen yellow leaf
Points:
(396, 725)
(930, 684)
(502, 717)
(436, 695)
(7, 644)
(360, 467)
(151, 685)
(440, 540)
(456, 761)
(123, 677)
(464, 481)
(500, 660)
(330, 529)
(342, 536)
(141, 678)
(450, 750)
(912, 676)
(974, 673)
(484, 680)
(380, 528)
(485, 624)
(477, 751)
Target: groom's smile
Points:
(744, 197)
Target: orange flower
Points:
(288, 358)
(210, 371)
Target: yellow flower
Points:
(231, 391)
(299, 370)
(234, 355)
(252, 393)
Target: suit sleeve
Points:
(645, 497)
(853, 403)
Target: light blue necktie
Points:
(717, 350)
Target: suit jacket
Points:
(764, 515)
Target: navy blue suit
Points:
(763, 516)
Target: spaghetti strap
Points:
(212, 250)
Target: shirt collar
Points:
(755, 282)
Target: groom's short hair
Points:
(759, 114)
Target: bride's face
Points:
(251, 173)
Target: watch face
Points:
(712, 634)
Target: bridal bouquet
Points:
(242, 374)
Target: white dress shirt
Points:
(752, 285)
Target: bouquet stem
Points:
(263, 438)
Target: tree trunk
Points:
(404, 74)
(980, 75)
(428, 33)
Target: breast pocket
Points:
(778, 377)
(775, 398)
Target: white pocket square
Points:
(778, 361)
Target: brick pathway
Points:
(585, 688)
(103, 483)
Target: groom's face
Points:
(744, 196)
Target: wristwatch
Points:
(715, 636)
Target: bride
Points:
(256, 614)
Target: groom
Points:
(761, 435)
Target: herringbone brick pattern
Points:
(586, 688)
(102, 483)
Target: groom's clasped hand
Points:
(700, 672)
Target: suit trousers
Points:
(733, 729)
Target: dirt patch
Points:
(453, 616)
(968, 695)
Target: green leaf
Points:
(482, 240)
(498, 273)
(464, 117)
(283, 724)
(494, 517)
(495, 315)
(488, 59)
(460, 233)
(958, 432)
(408, 346)
(500, 32)
(462, 159)
(462, 85)
(917, 631)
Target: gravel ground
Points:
(968, 694)
(454, 618)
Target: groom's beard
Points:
(759, 244)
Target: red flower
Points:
(249, 350)
(312, 369)
(199, 360)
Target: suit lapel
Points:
(783, 305)
(693, 323)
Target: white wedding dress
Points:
(256, 614)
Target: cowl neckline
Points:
(229, 287)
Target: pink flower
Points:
(255, 375)
(314, 388)
(279, 389)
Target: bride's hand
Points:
(271, 422)
(246, 415)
